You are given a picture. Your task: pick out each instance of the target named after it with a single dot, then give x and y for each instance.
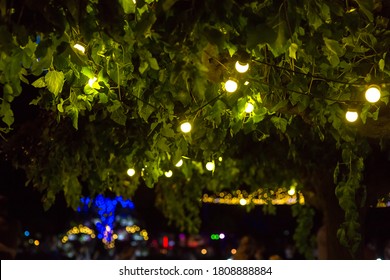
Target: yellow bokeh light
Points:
(291, 191)
(79, 47)
(231, 86)
(131, 172)
(351, 116)
(243, 201)
(92, 81)
(241, 67)
(210, 166)
(204, 251)
(186, 127)
(373, 94)
(36, 242)
(233, 251)
(249, 108)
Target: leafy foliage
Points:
(150, 65)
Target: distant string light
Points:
(186, 127)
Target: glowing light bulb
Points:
(179, 163)
(241, 67)
(168, 174)
(222, 236)
(186, 127)
(220, 158)
(210, 166)
(92, 81)
(351, 116)
(291, 191)
(130, 172)
(79, 47)
(249, 108)
(231, 86)
(243, 201)
(373, 94)
(246, 83)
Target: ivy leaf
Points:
(40, 83)
(382, 64)
(153, 63)
(7, 113)
(292, 51)
(119, 116)
(73, 112)
(280, 123)
(334, 47)
(143, 66)
(55, 81)
(128, 6)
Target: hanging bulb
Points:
(373, 94)
(249, 108)
(179, 163)
(241, 67)
(185, 127)
(210, 166)
(351, 115)
(79, 47)
(130, 172)
(92, 81)
(231, 85)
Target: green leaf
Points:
(55, 81)
(382, 64)
(40, 83)
(7, 113)
(73, 112)
(334, 47)
(292, 51)
(167, 131)
(280, 123)
(281, 104)
(143, 66)
(128, 6)
(119, 116)
(153, 63)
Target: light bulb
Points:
(186, 127)
(92, 81)
(168, 174)
(351, 116)
(179, 163)
(246, 83)
(291, 191)
(241, 67)
(210, 166)
(243, 201)
(249, 108)
(231, 86)
(79, 47)
(130, 172)
(373, 94)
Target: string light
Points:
(259, 197)
(168, 174)
(241, 67)
(249, 108)
(179, 163)
(131, 172)
(231, 85)
(351, 115)
(373, 94)
(79, 47)
(185, 127)
(210, 166)
(92, 81)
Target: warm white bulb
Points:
(351, 116)
(130, 172)
(231, 86)
(210, 166)
(241, 67)
(179, 163)
(243, 201)
(186, 127)
(249, 108)
(79, 47)
(168, 174)
(373, 94)
(291, 191)
(92, 81)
